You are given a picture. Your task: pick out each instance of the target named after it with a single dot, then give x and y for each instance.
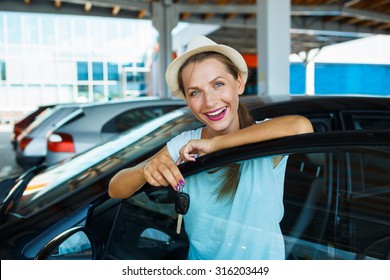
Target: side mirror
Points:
(73, 244)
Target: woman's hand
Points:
(162, 171)
(195, 148)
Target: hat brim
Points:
(171, 74)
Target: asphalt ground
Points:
(8, 166)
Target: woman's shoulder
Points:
(190, 134)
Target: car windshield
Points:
(67, 177)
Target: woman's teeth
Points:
(216, 113)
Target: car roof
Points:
(130, 101)
(287, 104)
(140, 102)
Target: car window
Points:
(372, 121)
(367, 120)
(369, 201)
(76, 247)
(70, 118)
(335, 205)
(307, 199)
(145, 228)
(134, 117)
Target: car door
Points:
(335, 201)
(324, 216)
(364, 210)
(145, 228)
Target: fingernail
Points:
(177, 188)
(181, 182)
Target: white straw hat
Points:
(197, 45)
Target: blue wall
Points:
(352, 78)
(335, 78)
(297, 78)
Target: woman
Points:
(211, 77)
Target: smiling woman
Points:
(211, 77)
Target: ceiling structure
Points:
(314, 23)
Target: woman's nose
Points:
(210, 98)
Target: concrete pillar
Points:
(165, 18)
(273, 46)
(310, 89)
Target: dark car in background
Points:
(93, 124)
(336, 193)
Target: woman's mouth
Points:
(217, 114)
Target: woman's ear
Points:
(240, 85)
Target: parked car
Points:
(21, 124)
(33, 147)
(31, 143)
(336, 193)
(93, 124)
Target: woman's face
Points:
(212, 95)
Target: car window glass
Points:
(73, 175)
(329, 211)
(134, 117)
(338, 219)
(370, 202)
(330, 214)
(145, 228)
(307, 191)
(75, 247)
(367, 121)
(70, 118)
(373, 121)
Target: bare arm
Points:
(159, 170)
(274, 128)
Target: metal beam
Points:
(296, 10)
(123, 4)
(73, 7)
(219, 11)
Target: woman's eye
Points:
(218, 84)
(195, 93)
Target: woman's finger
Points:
(171, 174)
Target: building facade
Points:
(60, 59)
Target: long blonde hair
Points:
(231, 174)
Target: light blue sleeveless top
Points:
(244, 228)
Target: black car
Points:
(336, 193)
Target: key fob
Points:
(182, 203)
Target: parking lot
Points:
(8, 166)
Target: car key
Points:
(182, 204)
